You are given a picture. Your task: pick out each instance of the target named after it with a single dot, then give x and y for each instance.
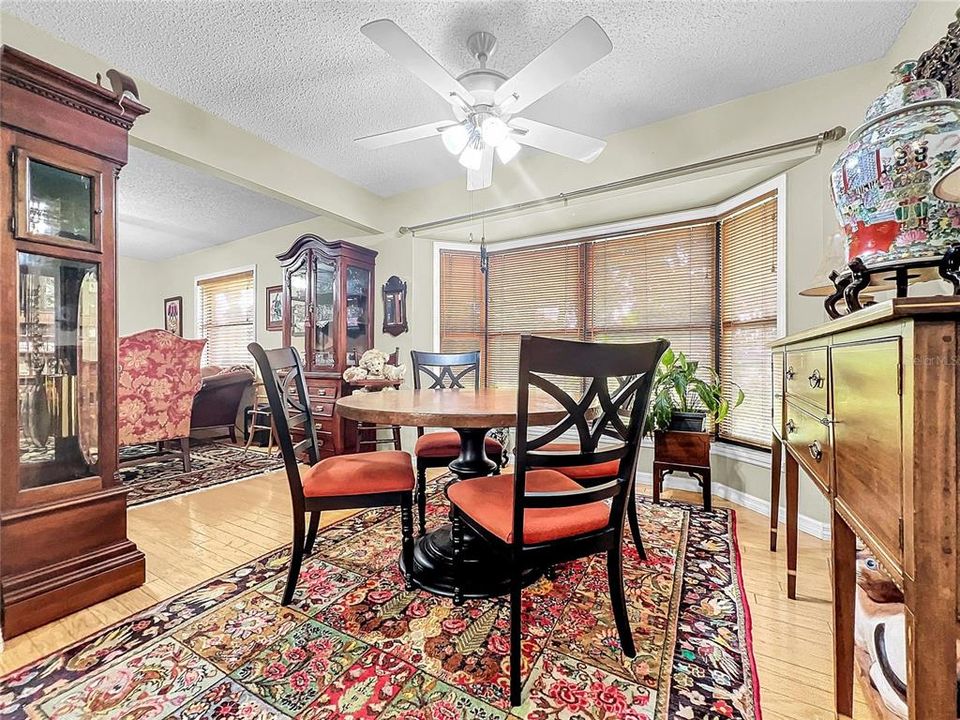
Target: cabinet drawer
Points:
(321, 409)
(806, 376)
(321, 389)
(324, 429)
(809, 438)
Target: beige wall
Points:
(140, 294)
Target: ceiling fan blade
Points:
(557, 140)
(405, 50)
(482, 178)
(396, 137)
(577, 49)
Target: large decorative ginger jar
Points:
(882, 182)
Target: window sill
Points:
(751, 456)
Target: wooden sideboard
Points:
(867, 405)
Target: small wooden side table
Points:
(678, 451)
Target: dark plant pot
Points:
(687, 421)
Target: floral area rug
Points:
(355, 644)
(211, 464)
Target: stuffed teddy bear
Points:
(394, 372)
(353, 374)
(373, 361)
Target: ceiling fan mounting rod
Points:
(481, 46)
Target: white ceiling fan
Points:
(486, 103)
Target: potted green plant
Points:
(682, 400)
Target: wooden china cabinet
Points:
(328, 317)
(63, 514)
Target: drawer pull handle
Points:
(791, 373)
(816, 380)
(816, 452)
(791, 427)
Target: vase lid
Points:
(905, 90)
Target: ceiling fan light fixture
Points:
(472, 156)
(507, 150)
(455, 138)
(494, 131)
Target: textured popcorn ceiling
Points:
(165, 209)
(301, 76)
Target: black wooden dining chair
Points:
(361, 480)
(445, 371)
(537, 516)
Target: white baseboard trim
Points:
(805, 524)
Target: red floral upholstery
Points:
(447, 444)
(583, 472)
(359, 474)
(159, 373)
(489, 502)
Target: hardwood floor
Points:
(194, 537)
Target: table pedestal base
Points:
(484, 573)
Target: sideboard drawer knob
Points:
(791, 373)
(816, 452)
(791, 427)
(816, 379)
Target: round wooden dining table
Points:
(472, 414)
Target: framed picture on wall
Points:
(173, 315)
(275, 307)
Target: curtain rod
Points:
(817, 140)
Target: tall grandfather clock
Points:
(63, 513)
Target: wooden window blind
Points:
(748, 316)
(226, 318)
(656, 284)
(659, 283)
(532, 290)
(461, 302)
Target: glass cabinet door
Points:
(298, 309)
(55, 203)
(357, 308)
(58, 349)
(324, 291)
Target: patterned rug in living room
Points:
(355, 644)
(211, 463)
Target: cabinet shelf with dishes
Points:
(328, 318)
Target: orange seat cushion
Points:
(447, 444)
(359, 474)
(583, 472)
(489, 502)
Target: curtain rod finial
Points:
(835, 134)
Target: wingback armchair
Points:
(159, 374)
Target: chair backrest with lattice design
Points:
(445, 371)
(607, 418)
